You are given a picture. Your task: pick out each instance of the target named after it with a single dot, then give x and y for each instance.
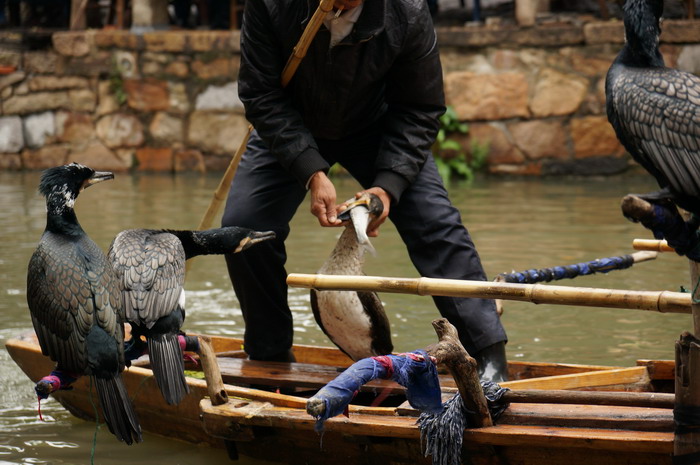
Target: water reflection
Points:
(516, 225)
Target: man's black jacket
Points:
(386, 72)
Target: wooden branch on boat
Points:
(659, 301)
(210, 367)
(652, 245)
(450, 352)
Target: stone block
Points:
(167, 128)
(82, 100)
(210, 41)
(557, 93)
(73, 43)
(165, 41)
(11, 134)
(41, 83)
(219, 133)
(45, 157)
(189, 160)
(154, 159)
(147, 94)
(41, 62)
(528, 169)
(10, 162)
(98, 157)
(106, 99)
(604, 32)
(179, 100)
(501, 148)
(180, 69)
(559, 35)
(35, 103)
(11, 79)
(219, 98)
(682, 31)
(540, 139)
(38, 128)
(487, 96)
(224, 67)
(120, 130)
(689, 59)
(593, 136)
(74, 127)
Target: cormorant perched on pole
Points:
(150, 266)
(75, 303)
(655, 112)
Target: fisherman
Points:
(367, 95)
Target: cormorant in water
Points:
(150, 266)
(655, 112)
(75, 303)
(353, 321)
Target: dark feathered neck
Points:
(642, 32)
(60, 215)
(210, 241)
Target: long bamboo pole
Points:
(658, 301)
(289, 69)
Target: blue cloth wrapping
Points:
(601, 265)
(415, 371)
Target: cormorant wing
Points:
(151, 268)
(69, 289)
(659, 115)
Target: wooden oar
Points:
(652, 244)
(289, 69)
(658, 301)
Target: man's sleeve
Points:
(268, 107)
(415, 99)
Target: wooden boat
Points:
(559, 413)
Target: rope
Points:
(97, 424)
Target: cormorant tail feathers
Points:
(118, 411)
(168, 366)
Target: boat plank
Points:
(592, 379)
(218, 420)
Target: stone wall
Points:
(167, 101)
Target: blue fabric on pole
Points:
(416, 371)
(601, 265)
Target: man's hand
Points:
(373, 227)
(323, 198)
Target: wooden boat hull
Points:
(276, 427)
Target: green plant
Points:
(116, 83)
(450, 157)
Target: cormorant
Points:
(150, 266)
(74, 299)
(353, 321)
(655, 112)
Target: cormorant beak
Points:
(98, 176)
(254, 238)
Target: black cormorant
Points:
(655, 111)
(353, 321)
(74, 299)
(150, 266)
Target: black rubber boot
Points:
(492, 363)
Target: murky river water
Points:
(516, 225)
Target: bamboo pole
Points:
(652, 245)
(289, 69)
(659, 301)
